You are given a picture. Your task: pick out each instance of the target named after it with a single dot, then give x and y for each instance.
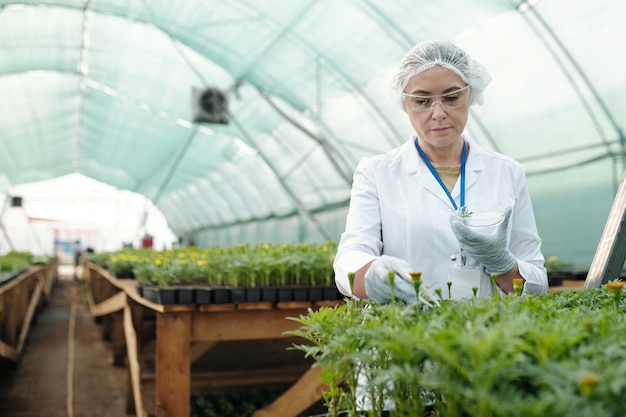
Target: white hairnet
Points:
(446, 54)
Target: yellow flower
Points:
(415, 276)
(518, 285)
(615, 287)
(588, 382)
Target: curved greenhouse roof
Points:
(104, 89)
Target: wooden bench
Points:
(20, 299)
(176, 348)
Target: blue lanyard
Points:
(438, 178)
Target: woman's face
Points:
(438, 127)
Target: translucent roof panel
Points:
(105, 89)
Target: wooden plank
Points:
(133, 363)
(19, 300)
(9, 352)
(290, 305)
(17, 281)
(89, 278)
(3, 314)
(300, 396)
(244, 325)
(198, 349)
(118, 339)
(30, 313)
(246, 377)
(608, 261)
(207, 308)
(255, 306)
(108, 306)
(173, 365)
(17, 305)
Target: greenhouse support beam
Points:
(327, 149)
(4, 231)
(608, 261)
(6, 236)
(583, 78)
(300, 206)
(83, 70)
(175, 165)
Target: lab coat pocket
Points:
(464, 282)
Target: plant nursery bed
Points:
(176, 350)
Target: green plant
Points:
(234, 403)
(240, 265)
(14, 261)
(465, 214)
(558, 354)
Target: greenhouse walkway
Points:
(66, 369)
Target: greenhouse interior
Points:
(169, 125)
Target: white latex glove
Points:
(377, 283)
(378, 286)
(489, 249)
(530, 288)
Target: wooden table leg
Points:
(118, 339)
(172, 364)
(134, 398)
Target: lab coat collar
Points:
(414, 165)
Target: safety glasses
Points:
(448, 101)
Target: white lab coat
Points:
(398, 208)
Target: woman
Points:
(401, 216)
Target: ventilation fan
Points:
(16, 201)
(209, 105)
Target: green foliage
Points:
(559, 354)
(241, 265)
(15, 261)
(236, 403)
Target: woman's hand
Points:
(489, 249)
(378, 286)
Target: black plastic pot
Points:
(123, 274)
(203, 295)
(316, 293)
(186, 295)
(160, 295)
(332, 293)
(237, 295)
(253, 294)
(284, 294)
(221, 295)
(269, 294)
(300, 293)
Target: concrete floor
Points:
(66, 369)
